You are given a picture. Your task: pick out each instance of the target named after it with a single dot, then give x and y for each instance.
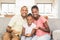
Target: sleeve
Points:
(34, 26)
(12, 22)
(23, 25)
(43, 19)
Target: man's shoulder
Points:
(17, 16)
(24, 25)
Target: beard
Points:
(24, 16)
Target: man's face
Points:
(24, 11)
(35, 12)
(29, 20)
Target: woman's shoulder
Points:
(41, 17)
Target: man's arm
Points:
(23, 31)
(11, 23)
(46, 29)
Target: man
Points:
(42, 29)
(14, 29)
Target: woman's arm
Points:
(46, 29)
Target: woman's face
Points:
(35, 12)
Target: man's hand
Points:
(8, 29)
(15, 32)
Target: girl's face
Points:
(29, 20)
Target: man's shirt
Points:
(16, 23)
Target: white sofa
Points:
(54, 24)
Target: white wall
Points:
(55, 9)
(58, 8)
(20, 3)
(29, 3)
(0, 8)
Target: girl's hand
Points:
(28, 35)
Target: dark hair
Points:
(35, 6)
(29, 15)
